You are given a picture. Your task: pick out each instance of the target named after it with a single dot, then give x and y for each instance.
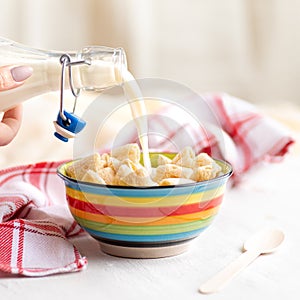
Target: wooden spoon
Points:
(265, 241)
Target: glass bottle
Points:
(102, 71)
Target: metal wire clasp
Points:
(65, 61)
(67, 124)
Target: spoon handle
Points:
(217, 282)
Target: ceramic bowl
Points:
(144, 222)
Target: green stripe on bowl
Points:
(145, 230)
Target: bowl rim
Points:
(193, 184)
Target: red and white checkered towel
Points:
(223, 126)
(35, 224)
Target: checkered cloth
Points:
(223, 126)
(35, 224)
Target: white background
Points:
(249, 48)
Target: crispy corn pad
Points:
(122, 167)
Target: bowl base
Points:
(144, 252)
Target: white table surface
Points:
(270, 196)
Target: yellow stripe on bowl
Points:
(146, 201)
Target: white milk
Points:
(139, 113)
(46, 78)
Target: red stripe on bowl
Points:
(143, 211)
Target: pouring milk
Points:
(107, 67)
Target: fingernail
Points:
(21, 73)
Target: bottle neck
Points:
(104, 69)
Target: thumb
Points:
(13, 76)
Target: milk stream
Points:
(139, 113)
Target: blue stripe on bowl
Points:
(146, 238)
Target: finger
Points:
(10, 124)
(13, 76)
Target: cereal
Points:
(204, 159)
(114, 163)
(78, 168)
(122, 167)
(106, 157)
(140, 177)
(129, 151)
(92, 176)
(163, 160)
(184, 158)
(124, 170)
(171, 171)
(126, 167)
(203, 173)
(108, 175)
(133, 174)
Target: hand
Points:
(11, 77)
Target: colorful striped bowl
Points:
(145, 222)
